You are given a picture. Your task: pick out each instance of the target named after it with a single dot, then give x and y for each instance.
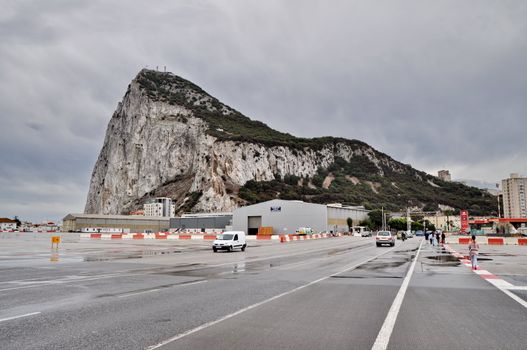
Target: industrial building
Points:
(287, 216)
(125, 223)
(202, 222)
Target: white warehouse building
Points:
(287, 216)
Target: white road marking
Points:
(500, 282)
(383, 338)
(19, 316)
(513, 296)
(158, 289)
(517, 288)
(208, 324)
(48, 283)
(132, 294)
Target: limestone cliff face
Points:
(170, 138)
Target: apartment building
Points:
(161, 206)
(514, 201)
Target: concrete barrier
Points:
(494, 241)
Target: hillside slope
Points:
(170, 138)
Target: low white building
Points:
(7, 224)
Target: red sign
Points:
(464, 221)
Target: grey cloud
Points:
(433, 84)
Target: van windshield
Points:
(225, 237)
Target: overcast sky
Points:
(437, 84)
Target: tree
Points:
(376, 217)
(350, 223)
(429, 225)
(416, 226)
(367, 223)
(397, 223)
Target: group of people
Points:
(435, 238)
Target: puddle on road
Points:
(376, 276)
(381, 265)
(407, 250)
(445, 260)
(496, 254)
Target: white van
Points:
(230, 240)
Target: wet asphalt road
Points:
(333, 294)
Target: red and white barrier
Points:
(488, 240)
(206, 237)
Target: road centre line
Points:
(383, 338)
(50, 283)
(236, 313)
(158, 289)
(138, 293)
(19, 316)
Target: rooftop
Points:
(114, 217)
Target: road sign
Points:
(55, 240)
(464, 221)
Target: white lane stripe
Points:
(157, 289)
(383, 338)
(500, 283)
(51, 283)
(208, 324)
(132, 294)
(513, 296)
(19, 316)
(516, 288)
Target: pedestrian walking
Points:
(437, 237)
(473, 251)
(431, 239)
(443, 237)
(426, 235)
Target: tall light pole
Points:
(408, 222)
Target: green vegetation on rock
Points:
(392, 190)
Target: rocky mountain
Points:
(170, 138)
